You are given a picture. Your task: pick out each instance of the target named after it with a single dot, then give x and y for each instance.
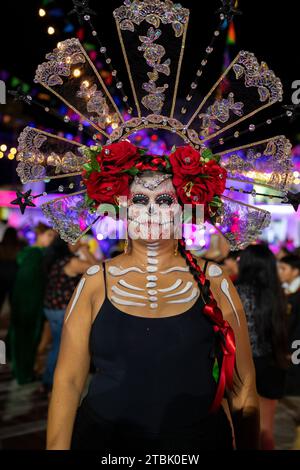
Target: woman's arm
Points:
(243, 399)
(73, 361)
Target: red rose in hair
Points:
(217, 176)
(103, 189)
(186, 161)
(117, 157)
(195, 190)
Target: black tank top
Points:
(152, 374)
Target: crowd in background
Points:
(38, 280)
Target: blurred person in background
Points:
(289, 273)
(264, 303)
(231, 264)
(27, 305)
(65, 266)
(283, 251)
(9, 247)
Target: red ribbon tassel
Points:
(228, 348)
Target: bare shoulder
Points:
(213, 271)
(116, 260)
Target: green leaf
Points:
(216, 371)
(131, 171)
(88, 200)
(207, 153)
(217, 158)
(94, 164)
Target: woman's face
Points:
(152, 213)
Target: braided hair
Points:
(225, 352)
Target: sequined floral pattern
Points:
(269, 86)
(219, 111)
(154, 12)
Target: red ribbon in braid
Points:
(222, 327)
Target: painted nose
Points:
(151, 209)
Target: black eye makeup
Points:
(140, 199)
(164, 199)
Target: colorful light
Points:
(76, 73)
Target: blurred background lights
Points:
(76, 73)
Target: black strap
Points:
(104, 277)
(205, 266)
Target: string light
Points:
(42, 12)
(13, 150)
(51, 30)
(76, 73)
(1, 154)
(11, 156)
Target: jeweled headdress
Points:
(152, 36)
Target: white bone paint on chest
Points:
(185, 299)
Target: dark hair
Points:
(57, 250)
(258, 269)
(292, 260)
(41, 228)
(233, 255)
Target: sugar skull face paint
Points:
(152, 213)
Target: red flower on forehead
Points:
(104, 189)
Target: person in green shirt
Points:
(27, 305)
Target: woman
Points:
(141, 319)
(263, 300)
(65, 270)
(27, 305)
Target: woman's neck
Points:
(161, 252)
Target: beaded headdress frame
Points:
(152, 36)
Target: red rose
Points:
(117, 157)
(193, 190)
(217, 176)
(103, 189)
(186, 161)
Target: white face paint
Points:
(152, 212)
